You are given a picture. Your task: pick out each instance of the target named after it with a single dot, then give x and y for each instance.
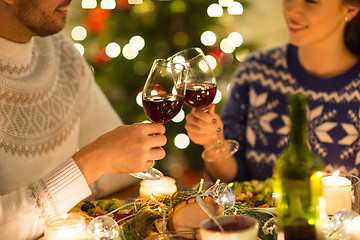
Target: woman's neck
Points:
(324, 61)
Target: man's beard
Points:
(36, 20)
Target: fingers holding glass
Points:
(200, 92)
(163, 98)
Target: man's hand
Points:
(126, 149)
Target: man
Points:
(50, 107)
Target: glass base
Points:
(149, 174)
(221, 150)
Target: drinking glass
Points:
(200, 92)
(163, 98)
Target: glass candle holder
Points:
(164, 186)
(341, 192)
(65, 226)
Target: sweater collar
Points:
(14, 54)
(310, 81)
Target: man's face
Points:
(42, 17)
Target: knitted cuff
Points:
(64, 188)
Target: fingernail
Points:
(218, 129)
(214, 120)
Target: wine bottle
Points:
(297, 179)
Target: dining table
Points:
(131, 195)
(129, 192)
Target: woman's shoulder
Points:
(264, 60)
(269, 55)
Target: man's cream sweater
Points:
(50, 106)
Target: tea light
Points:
(66, 226)
(355, 228)
(135, 1)
(337, 193)
(164, 186)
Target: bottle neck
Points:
(298, 137)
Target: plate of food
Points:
(255, 194)
(93, 209)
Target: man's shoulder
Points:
(62, 37)
(59, 41)
(60, 50)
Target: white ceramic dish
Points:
(247, 228)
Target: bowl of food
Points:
(255, 194)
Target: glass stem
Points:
(217, 138)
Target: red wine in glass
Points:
(200, 95)
(162, 99)
(162, 108)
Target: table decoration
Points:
(223, 193)
(145, 218)
(339, 226)
(174, 235)
(103, 228)
(164, 186)
(65, 226)
(341, 192)
(337, 193)
(355, 228)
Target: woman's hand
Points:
(203, 126)
(126, 149)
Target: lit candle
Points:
(337, 193)
(164, 186)
(355, 229)
(66, 226)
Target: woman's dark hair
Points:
(352, 30)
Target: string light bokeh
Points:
(120, 39)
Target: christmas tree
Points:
(120, 40)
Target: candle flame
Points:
(319, 174)
(336, 173)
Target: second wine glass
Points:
(162, 99)
(200, 92)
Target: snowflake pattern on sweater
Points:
(256, 113)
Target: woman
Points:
(321, 60)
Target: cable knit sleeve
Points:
(23, 212)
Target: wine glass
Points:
(224, 194)
(163, 98)
(200, 92)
